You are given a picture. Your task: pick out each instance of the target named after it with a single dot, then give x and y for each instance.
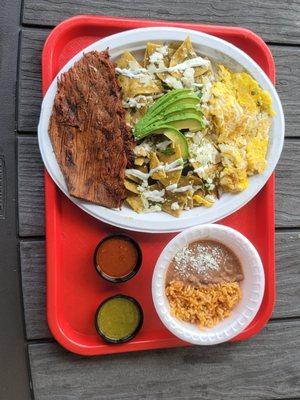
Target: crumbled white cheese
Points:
(206, 92)
(190, 134)
(144, 185)
(156, 57)
(203, 156)
(131, 102)
(143, 149)
(173, 82)
(198, 259)
(175, 206)
(164, 50)
(163, 145)
(154, 208)
(210, 198)
(188, 77)
(154, 195)
(202, 150)
(204, 153)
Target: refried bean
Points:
(205, 262)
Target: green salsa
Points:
(118, 318)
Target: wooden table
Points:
(265, 367)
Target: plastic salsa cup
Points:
(117, 258)
(118, 319)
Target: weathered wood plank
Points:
(266, 367)
(287, 275)
(32, 256)
(288, 82)
(31, 195)
(288, 186)
(274, 21)
(33, 282)
(30, 188)
(287, 62)
(14, 379)
(29, 84)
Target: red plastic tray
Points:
(74, 289)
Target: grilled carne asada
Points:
(90, 138)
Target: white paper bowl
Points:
(135, 40)
(252, 286)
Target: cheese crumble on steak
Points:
(90, 138)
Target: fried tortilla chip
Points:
(133, 115)
(174, 198)
(201, 201)
(164, 62)
(142, 168)
(154, 163)
(132, 87)
(181, 199)
(135, 202)
(185, 52)
(131, 186)
(139, 161)
(190, 201)
(173, 176)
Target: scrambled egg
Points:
(240, 112)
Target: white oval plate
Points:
(252, 286)
(219, 50)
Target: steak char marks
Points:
(90, 138)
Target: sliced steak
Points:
(90, 138)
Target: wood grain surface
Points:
(287, 204)
(32, 256)
(275, 21)
(287, 60)
(30, 80)
(30, 187)
(14, 377)
(265, 367)
(287, 274)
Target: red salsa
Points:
(117, 256)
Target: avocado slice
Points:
(190, 121)
(187, 105)
(177, 138)
(178, 109)
(168, 96)
(182, 96)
